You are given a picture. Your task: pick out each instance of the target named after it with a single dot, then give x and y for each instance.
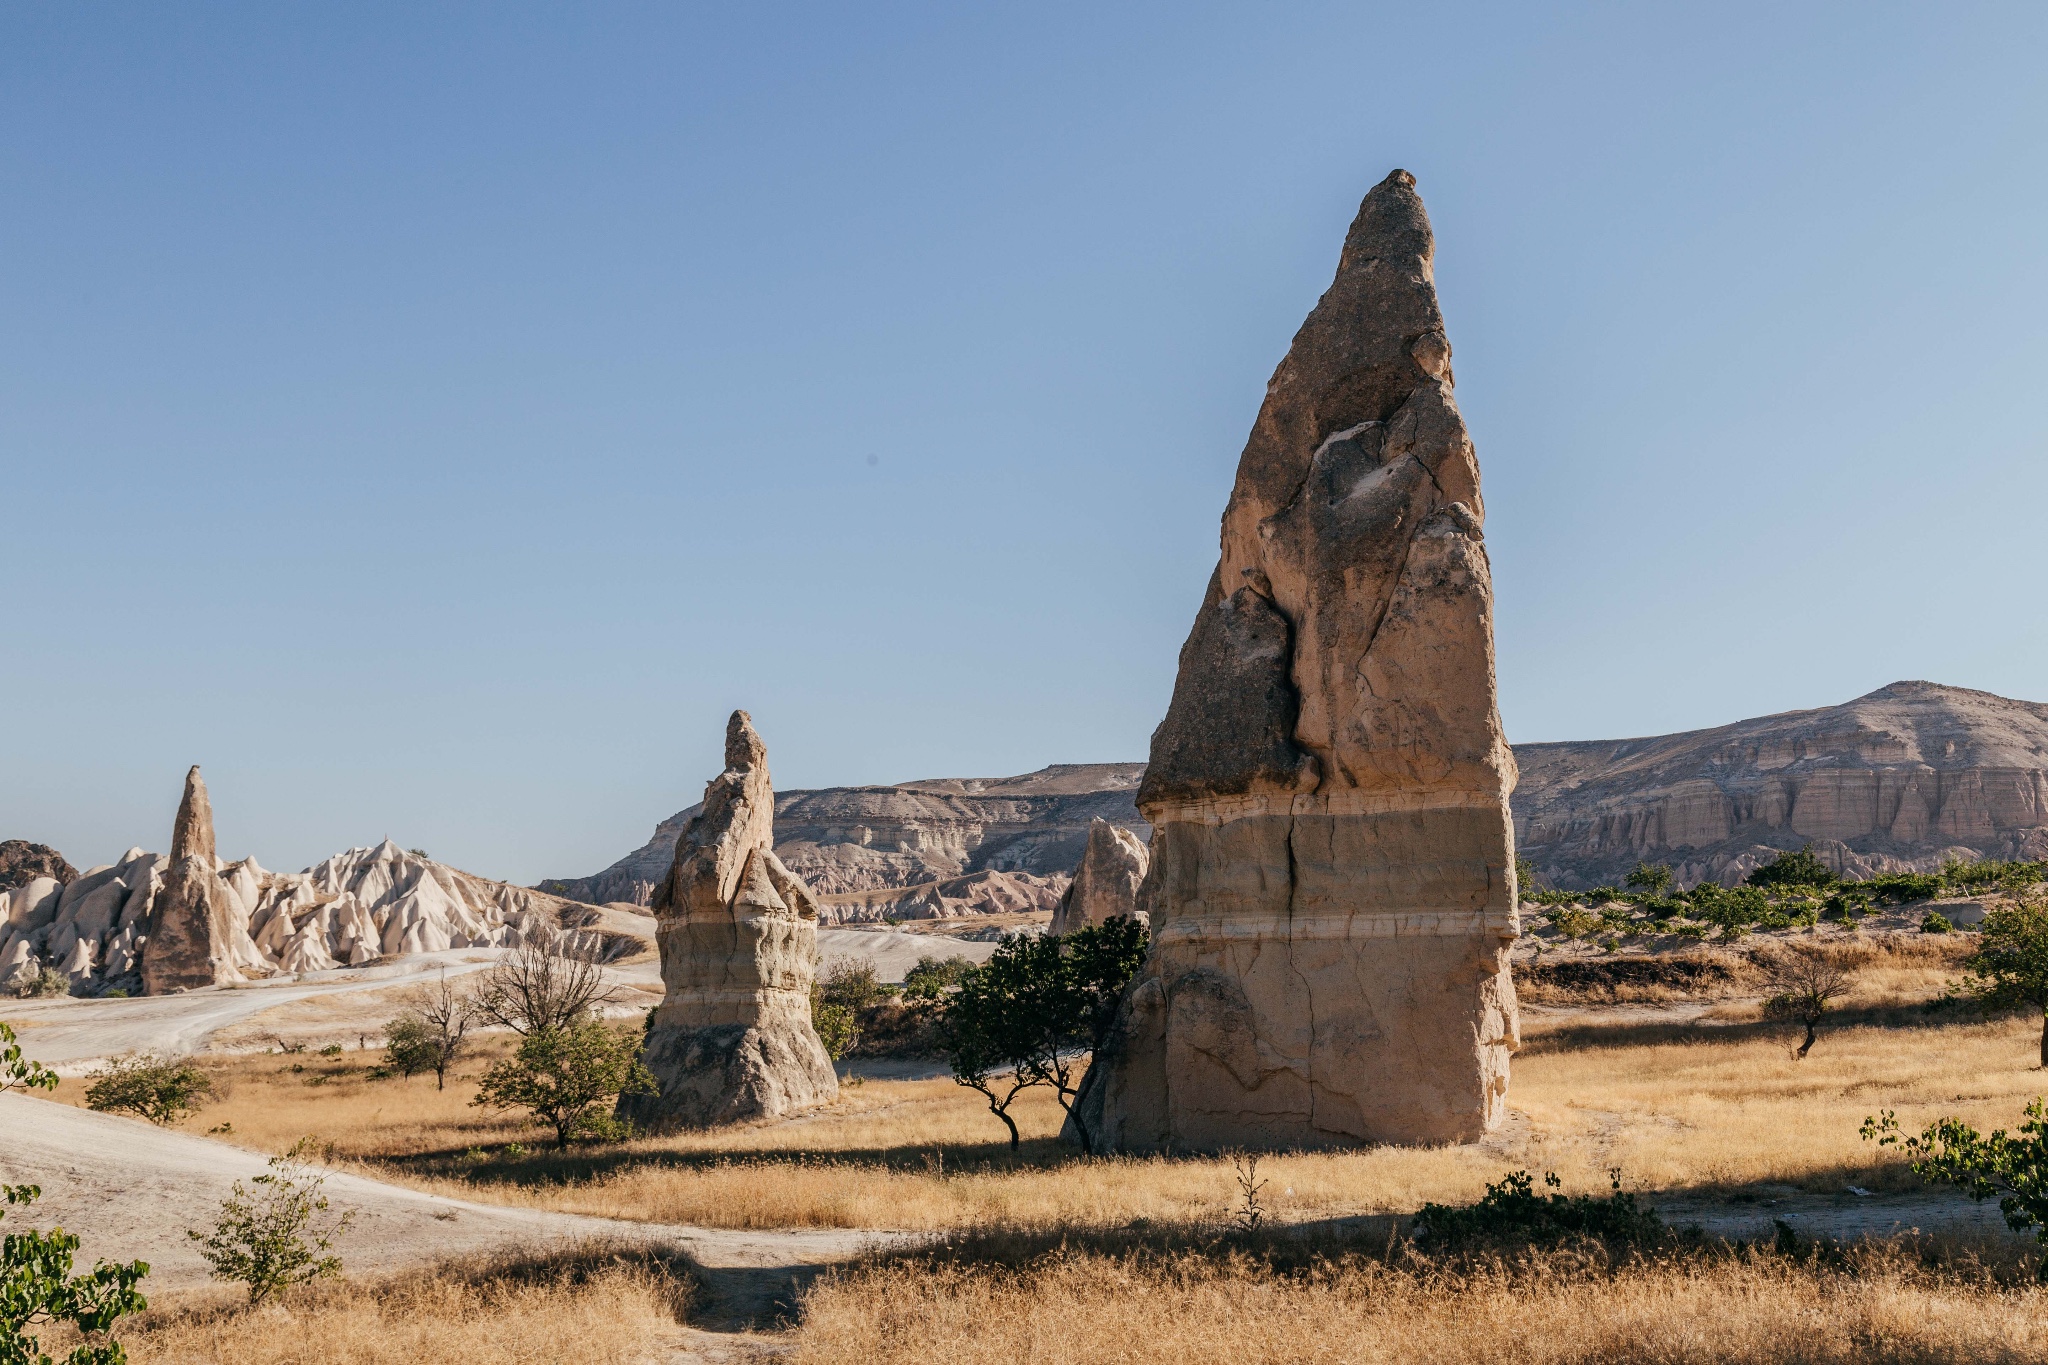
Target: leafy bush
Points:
(41, 983)
(160, 1089)
(1512, 1212)
(836, 1026)
(1794, 869)
(563, 1075)
(2010, 966)
(1650, 877)
(1901, 888)
(280, 1233)
(37, 1287)
(932, 977)
(1937, 923)
(2012, 1167)
(1573, 922)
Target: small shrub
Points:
(1573, 922)
(836, 1027)
(1511, 1212)
(160, 1089)
(331, 1050)
(563, 1075)
(1937, 923)
(279, 1234)
(41, 983)
(932, 977)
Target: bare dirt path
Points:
(129, 1191)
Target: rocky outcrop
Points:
(193, 939)
(923, 839)
(1106, 883)
(22, 862)
(364, 906)
(738, 935)
(1894, 781)
(1332, 884)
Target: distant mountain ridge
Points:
(950, 845)
(1892, 781)
(1896, 780)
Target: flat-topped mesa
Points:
(738, 934)
(1106, 883)
(1332, 884)
(192, 928)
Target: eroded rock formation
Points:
(738, 935)
(917, 850)
(1332, 884)
(1106, 883)
(1893, 781)
(192, 936)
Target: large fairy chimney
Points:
(191, 923)
(1332, 887)
(738, 934)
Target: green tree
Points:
(1650, 877)
(837, 1026)
(2010, 967)
(1789, 870)
(161, 1089)
(278, 1234)
(2013, 1167)
(1037, 1009)
(564, 1075)
(1525, 877)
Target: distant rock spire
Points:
(738, 934)
(192, 834)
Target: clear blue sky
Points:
(433, 419)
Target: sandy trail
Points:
(129, 1191)
(70, 1035)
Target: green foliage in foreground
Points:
(568, 1077)
(37, 1287)
(278, 1234)
(160, 1089)
(2013, 1167)
(1512, 1212)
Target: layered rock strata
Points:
(1332, 883)
(915, 850)
(1106, 883)
(738, 936)
(1897, 780)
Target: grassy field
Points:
(590, 1306)
(1080, 1306)
(1707, 1106)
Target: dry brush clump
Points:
(1079, 1303)
(596, 1305)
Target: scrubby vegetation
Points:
(1794, 890)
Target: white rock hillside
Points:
(362, 906)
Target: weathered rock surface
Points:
(1893, 781)
(738, 935)
(360, 907)
(192, 938)
(1332, 883)
(1106, 883)
(22, 862)
(923, 839)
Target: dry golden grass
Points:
(1711, 1106)
(1078, 1307)
(592, 1307)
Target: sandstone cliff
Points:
(738, 931)
(1893, 781)
(1332, 877)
